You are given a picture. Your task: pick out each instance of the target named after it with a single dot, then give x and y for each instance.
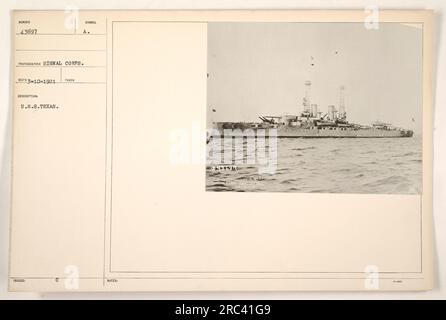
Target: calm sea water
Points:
(366, 165)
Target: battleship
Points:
(312, 123)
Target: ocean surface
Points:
(330, 165)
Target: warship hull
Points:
(289, 132)
(325, 132)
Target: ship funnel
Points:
(307, 99)
(342, 113)
(314, 110)
(332, 112)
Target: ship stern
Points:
(406, 133)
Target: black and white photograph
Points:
(314, 107)
(227, 151)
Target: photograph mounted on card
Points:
(222, 150)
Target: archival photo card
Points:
(314, 107)
(128, 126)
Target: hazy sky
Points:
(260, 69)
